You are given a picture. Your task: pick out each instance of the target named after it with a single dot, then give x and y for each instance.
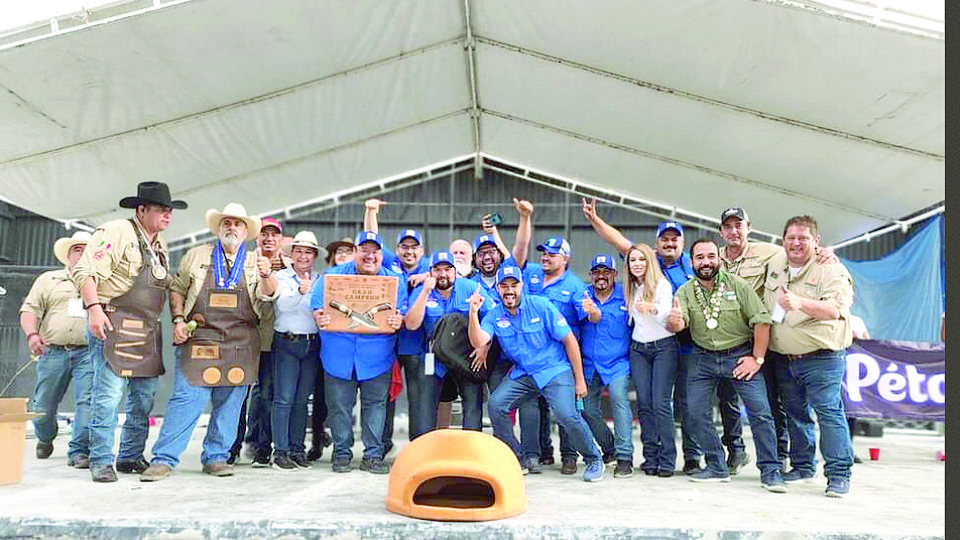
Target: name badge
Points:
(75, 308)
(226, 300)
(205, 352)
(428, 364)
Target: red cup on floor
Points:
(874, 454)
(151, 421)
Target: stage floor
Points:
(902, 495)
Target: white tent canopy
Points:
(693, 104)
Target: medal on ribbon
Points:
(220, 267)
(710, 306)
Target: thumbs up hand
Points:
(590, 307)
(675, 321)
(788, 300)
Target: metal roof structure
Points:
(683, 107)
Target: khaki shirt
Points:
(752, 263)
(740, 309)
(267, 316)
(112, 258)
(192, 274)
(48, 300)
(800, 333)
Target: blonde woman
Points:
(653, 358)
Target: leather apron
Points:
(225, 349)
(133, 348)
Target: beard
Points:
(463, 267)
(230, 241)
(707, 272)
(444, 284)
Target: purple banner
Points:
(895, 379)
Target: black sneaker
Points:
(261, 459)
(315, 453)
(374, 466)
(568, 465)
(341, 464)
(44, 449)
(609, 458)
(300, 460)
(736, 461)
(136, 466)
(690, 467)
(706, 475)
(624, 469)
(837, 487)
(282, 462)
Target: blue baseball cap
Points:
(441, 257)
(509, 272)
(368, 236)
(667, 226)
(481, 240)
(555, 245)
(605, 261)
(409, 233)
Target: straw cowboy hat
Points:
(306, 239)
(234, 210)
(152, 193)
(62, 247)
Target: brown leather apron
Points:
(225, 350)
(133, 348)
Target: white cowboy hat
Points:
(61, 248)
(307, 239)
(234, 210)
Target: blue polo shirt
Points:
(566, 293)
(369, 354)
(533, 338)
(408, 342)
(606, 344)
(677, 273)
(437, 306)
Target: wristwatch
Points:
(759, 360)
(179, 319)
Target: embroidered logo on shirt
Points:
(534, 280)
(535, 319)
(432, 303)
(503, 323)
(565, 293)
(562, 322)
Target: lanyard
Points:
(219, 267)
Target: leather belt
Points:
(292, 337)
(809, 354)
(66, 347)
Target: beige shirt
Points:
(48, 300)
(800, 333)
(112, 258)
(752, 263)
(192, 274)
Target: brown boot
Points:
(44, 449)
(218, 468)
(155, 473)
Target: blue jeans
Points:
(341, 396)
(598, 427)
(471, 395)
(771, 378)
(708, 370)
(414, 379)
(294, 375)
(685, 358)
(259, 433)
(559, 394)
(622, 436)
(529, 413)
(653, 367)
(815, 380)
(56, 369)
(106, 391)
(186, 405)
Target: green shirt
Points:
(740, 309)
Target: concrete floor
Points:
(900, 496)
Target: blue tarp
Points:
(900, 297)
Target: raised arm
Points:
(606, 231)
(478, 338)
(371, 207)
(521, 246)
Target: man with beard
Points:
(605, 343)
(547, 357)
(811, 332)
(123, 281)
(440, 294)
(52, 318)
(730, 328)
(552, 280)
(221, 288)
(676, 267)
(361, 362)
(261, 394)
(462, 257)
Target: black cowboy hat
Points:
(152, 193)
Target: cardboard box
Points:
(13, 432)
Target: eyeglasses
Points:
(408, 247)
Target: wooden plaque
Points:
(359, 304)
